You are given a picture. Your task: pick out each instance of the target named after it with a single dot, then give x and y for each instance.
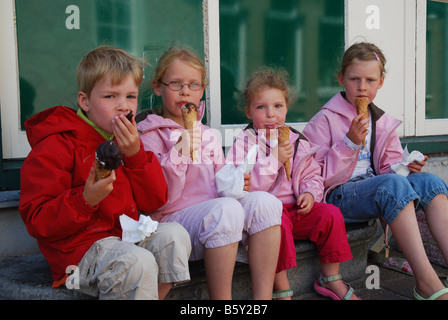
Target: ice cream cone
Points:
(190, 116)
(362, 107)
(283, 135)
(100, 171)
(107, 158)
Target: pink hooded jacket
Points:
(328, 128)
(188, 183)
(269, 175)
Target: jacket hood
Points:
(153, 121)
(339, 105)
(51, 121)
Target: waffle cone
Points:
(362, 107)
(100, 172)
(283, 135)
(190, 116)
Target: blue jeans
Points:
(369, 197)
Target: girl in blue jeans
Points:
(357, 153)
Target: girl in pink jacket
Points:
(359, 180)
(267, 97)
(215, 224)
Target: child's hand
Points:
(358, 129)
(126, 133)
(247, 183)
(283, 151)
(305, 202)
(189, 141)
(95, 191)
(416, 167)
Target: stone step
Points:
(29, 278)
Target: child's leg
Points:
(164, 289)
(171, 247)
(263, 257)
(388, 194)
(281, 283)
(215, 229)
(338, 287)
(117, 270)
(432, 192)
(219, 265)
(325, 226)
(287, 257)
(263, 215)
(437, 219)
(407, 234)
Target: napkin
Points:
(230, 179)
(135, 231)
(402, 167)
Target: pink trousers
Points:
(323, 225)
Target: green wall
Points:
(304, 37)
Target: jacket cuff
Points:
(349, 143)
(80, 204)
(345, 150)
(136, 161)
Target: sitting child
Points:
(74, 216)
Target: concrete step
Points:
(29, 278)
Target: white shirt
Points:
(363, 163)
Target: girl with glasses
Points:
(216, 224)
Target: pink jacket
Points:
(188, 183)
(328, 128)
(269, 175)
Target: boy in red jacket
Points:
(74, 217)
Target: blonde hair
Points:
(363, 51)
(264, 78)
(108, 61)
(185, 55)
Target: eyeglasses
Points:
(177, 86)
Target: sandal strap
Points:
(433, 297)
(337, 277)
(349, 293)
(282, 294)
(330, 278)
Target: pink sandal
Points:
(319, 287)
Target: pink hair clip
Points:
(376, 55)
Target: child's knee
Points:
(328, 213)
(130, 276)
(174, 232)
(223, 224)
(228, 210)
(262, 210)
(262, 199)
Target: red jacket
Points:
(53, 178)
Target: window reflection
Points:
(437, 60)
(304, 37)
(48, 52)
